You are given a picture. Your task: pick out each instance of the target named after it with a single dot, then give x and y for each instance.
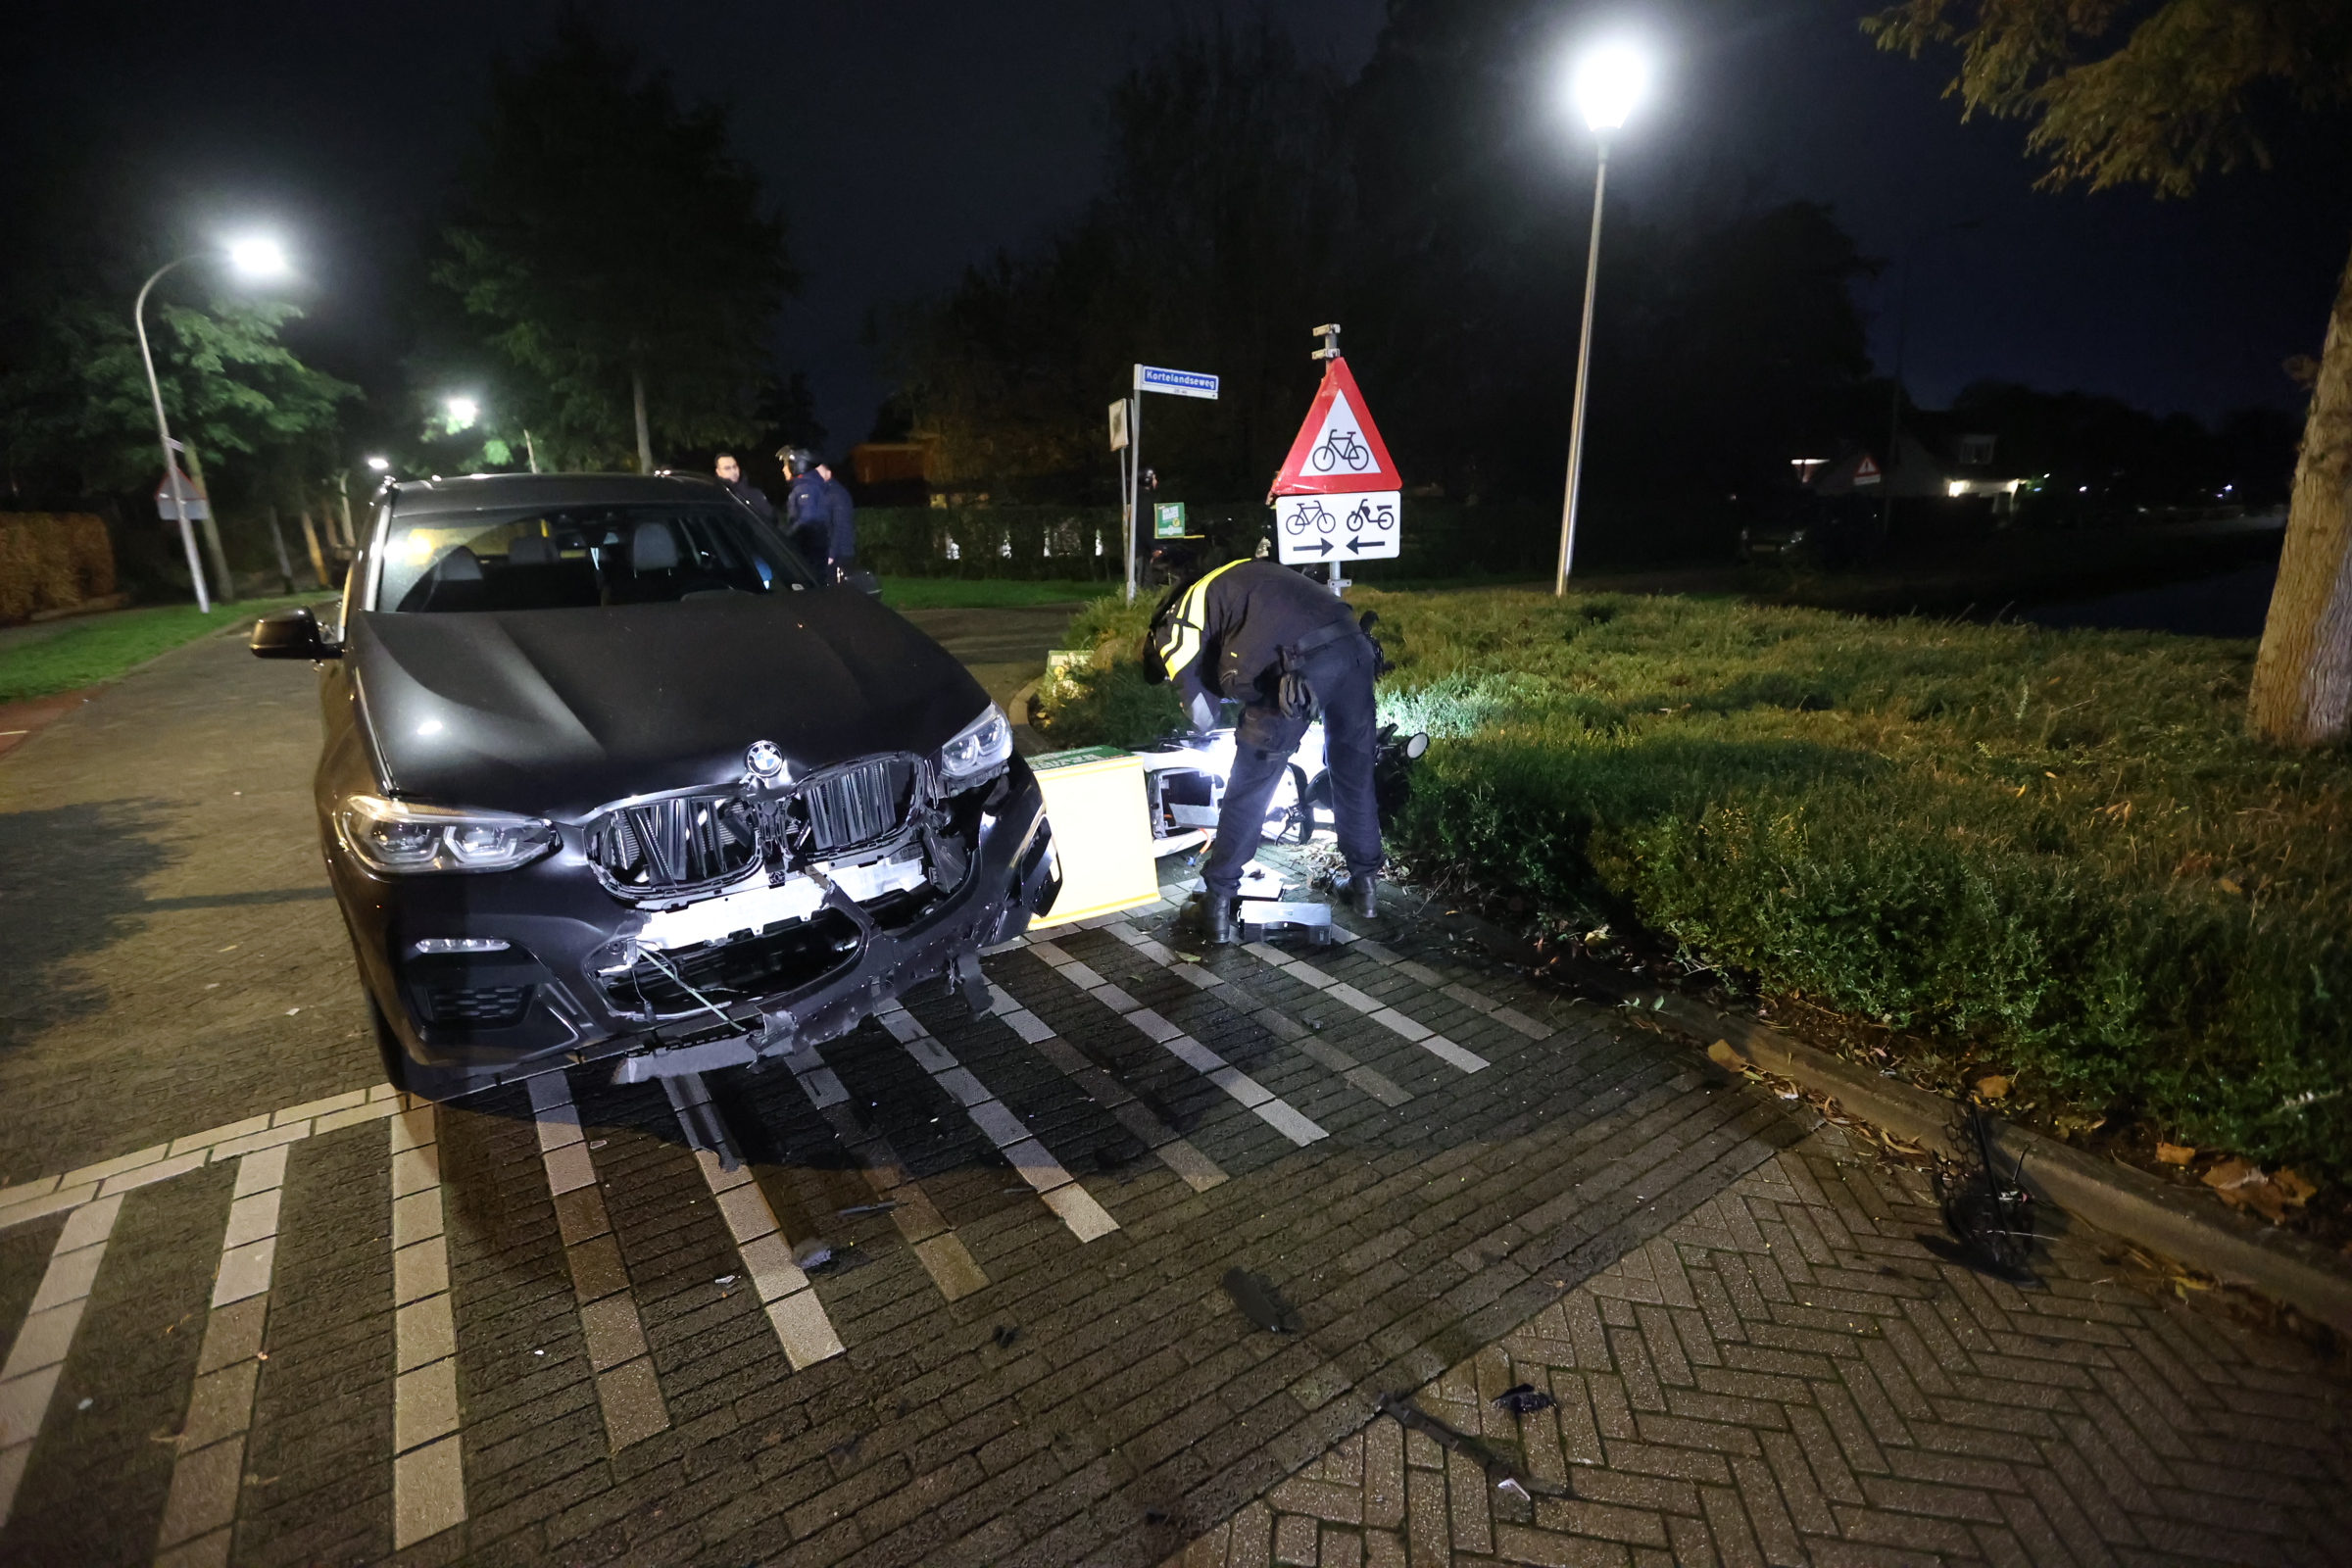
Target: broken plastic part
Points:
(1524, 1399)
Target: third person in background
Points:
(841, 522)
(806, 520)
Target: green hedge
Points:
(2056, 851)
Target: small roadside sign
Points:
(1338, 450)
(199, 506)
(1118, 426)
(1178, 383)
(1867, 470)
(1168, 519)
(1360, 525)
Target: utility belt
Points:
(1295, 697)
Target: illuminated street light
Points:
(254, 257)
(463, 412)
(1608, 83)
(380, 465)
(258, 256)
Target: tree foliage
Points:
(78, 397)
(599, 232)
(2129, 92)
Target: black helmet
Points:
(797, 460)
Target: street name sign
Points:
(1179, 383)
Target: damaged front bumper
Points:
(486, 979)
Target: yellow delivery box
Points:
(1102, 831)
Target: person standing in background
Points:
(730, 474)
(807, 524)
(841, 522)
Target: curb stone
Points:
(2194, 1227)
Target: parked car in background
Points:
(1800, 529)
(610, 775)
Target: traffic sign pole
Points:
(1135, 474)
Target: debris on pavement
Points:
(1524, 1399)
(1005, 1335)
(1261, 1303)
(1507, 1477)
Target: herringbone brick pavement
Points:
(1786, 1376)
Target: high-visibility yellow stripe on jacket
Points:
(1178, 641)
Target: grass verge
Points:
(2052, 858)
(86, 655)
(982, 593)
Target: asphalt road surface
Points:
(955, 1289)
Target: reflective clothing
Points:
(1223, 636)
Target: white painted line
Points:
(428, 1476)
(1380, 1012)
(1192, 1054)
(626, 1387)
(803, 1330)
(49, 1195)
(1267, 1017)
(917, 1219)
(1087, 1219)
(1197, 1170)
(1422, 974)
(37, 1355)
(209, 1468)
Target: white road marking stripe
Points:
(804, 1331)
(1533, 1028)
(28, 1376)
(1269, 1107)
(51, 1195)
(926, 1231)
(626, 1388)
(209, 1467)
(1063, 1192)
(1267, 1017)
(428, 1476)
(1387, 1018)
(1199, 1171)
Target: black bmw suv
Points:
(609, 773)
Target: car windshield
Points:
(558, 558)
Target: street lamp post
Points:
(1608, 84)
(262, 259)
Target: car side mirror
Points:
(865, 582)
(292, 634)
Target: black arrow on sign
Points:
(1358, 544)
(1321, 548)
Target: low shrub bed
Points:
(2051, 856)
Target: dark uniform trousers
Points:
(1340, 673)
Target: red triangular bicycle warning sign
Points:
(1338, 450)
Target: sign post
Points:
(1338, 496)
(1151, 378)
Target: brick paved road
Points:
(961, 1301)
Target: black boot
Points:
(1210, 918)
(1363, 894)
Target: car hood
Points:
(559, 711)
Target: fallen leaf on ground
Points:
(1723, 1055)
(2244, 1183)
(1992, 1087)
(2175, 1153)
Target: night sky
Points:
(905, 140)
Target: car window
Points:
(580, 558)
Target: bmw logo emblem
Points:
(765, 761)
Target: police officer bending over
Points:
(1285, 649)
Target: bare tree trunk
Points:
(285, 564)
(645, 440)
(310, 539)
(2303, 679)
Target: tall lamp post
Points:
(1608, 83)
(255, 258)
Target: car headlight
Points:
(979, 748)
(401, 836)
